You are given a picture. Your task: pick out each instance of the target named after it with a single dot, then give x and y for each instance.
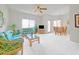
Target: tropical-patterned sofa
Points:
(10, 43)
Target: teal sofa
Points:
(28, 30)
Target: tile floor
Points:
(51, 44)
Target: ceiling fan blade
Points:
(38, 7)
(43, 8)
(41, 11)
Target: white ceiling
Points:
(52, 9)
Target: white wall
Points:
(4, 9)
(63, 18)
(74, 32)
(16, 18)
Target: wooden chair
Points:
(60, 30)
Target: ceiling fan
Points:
(39, 8)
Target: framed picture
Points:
(77, 20)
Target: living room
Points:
(52, 23)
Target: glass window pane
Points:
(32, 23)
(59, 23)
(25, 23)
(54, 23)
(48, 26)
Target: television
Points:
(41, 26)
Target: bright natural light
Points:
(57, 23)
(54, 23)
(48, 25)
(26, 23)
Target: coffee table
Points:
(33, 38)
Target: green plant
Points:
(13, 27)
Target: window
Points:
(48, 26)
(26, 23)
(54, 23)
(57, 23)
(31, 23)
